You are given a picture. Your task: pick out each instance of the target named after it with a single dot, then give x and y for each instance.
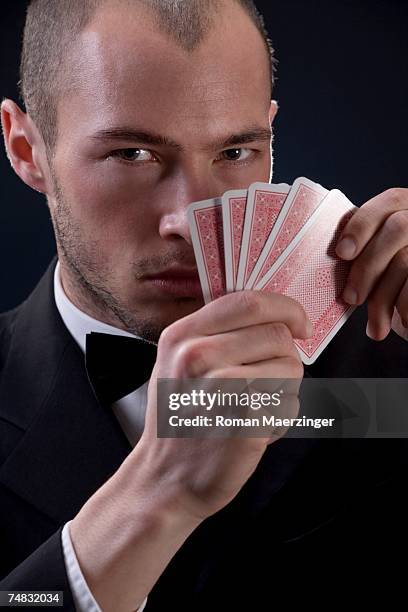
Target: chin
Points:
(178, 309)
(181, 307)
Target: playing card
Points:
(264, 203)
(205, 221)
(303, 199)
(310, 272)
(233, 212)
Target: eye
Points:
(132, 155)
(237, 155)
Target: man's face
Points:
(120, 201)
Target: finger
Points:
(367, 269)
(245, 346)
(242, 309)
(402, 305)
(397, 324)
(282, 367)
(367, 220)
(386, 295)
(255, 343)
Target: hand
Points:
(376, 239)
(246, 335)
(126, 533)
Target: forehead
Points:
(126, 70)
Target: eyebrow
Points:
(251, 134)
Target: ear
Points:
(273, 109)
(24, 145)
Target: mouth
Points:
(177, 282)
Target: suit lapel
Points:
(69, 445)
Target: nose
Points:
(188, 186)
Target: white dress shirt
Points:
(130, 412)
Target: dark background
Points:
(342, 89)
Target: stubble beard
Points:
(88, 273)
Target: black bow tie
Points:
(117, 365)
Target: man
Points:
(134, 110)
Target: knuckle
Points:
(401, 259)
(249, 301)
(397, 222)
(190, 359)
(397, 195)
(278, 333)
(355, 227)
(169, 337)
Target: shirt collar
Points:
(77, 322)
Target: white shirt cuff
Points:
(83, 599)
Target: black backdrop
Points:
(342, 89)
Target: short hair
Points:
(51, 26)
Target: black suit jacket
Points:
(308, 504)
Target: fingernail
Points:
(346, 247)
(350, 295)
(309, 328)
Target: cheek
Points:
(109, 203)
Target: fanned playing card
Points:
(233, 213)
(281, 239)
(310, 272)
(264, 204)
(303, 199)
(205, 221)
